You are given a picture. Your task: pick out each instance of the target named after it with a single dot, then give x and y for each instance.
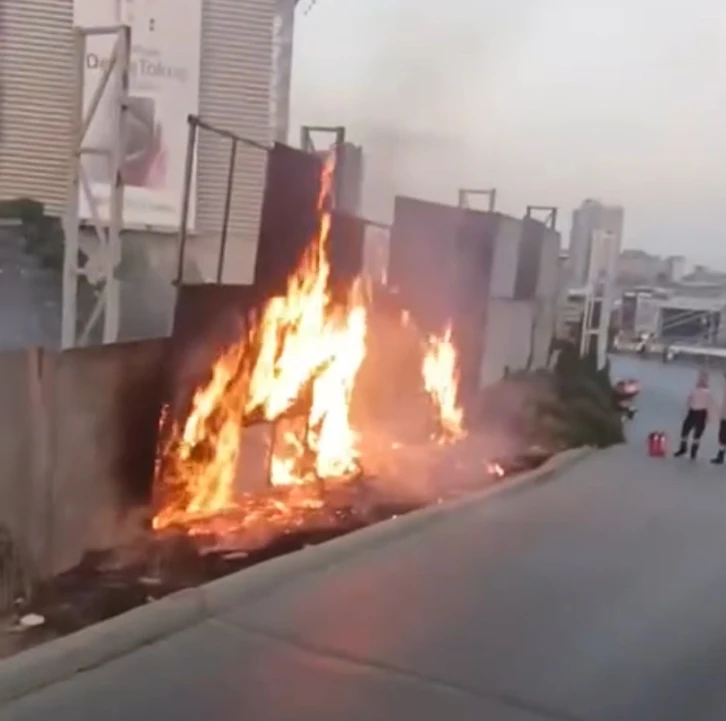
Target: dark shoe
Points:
(681, 450)
(718, 459)
(694, 451)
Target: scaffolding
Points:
(95, 260)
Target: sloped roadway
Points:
(601, 596)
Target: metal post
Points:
(103, 256)
(184, 224)
(70, 219)
(112, 287)
(227, 207)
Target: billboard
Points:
(163, 89)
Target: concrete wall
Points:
(507, 338)
(77, 442)
(518, 333)
(506, 257)
(16, 442)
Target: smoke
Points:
(419, 89)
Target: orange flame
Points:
(300, 360)
(441, 380)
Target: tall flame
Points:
(441, 380)
(300, 360)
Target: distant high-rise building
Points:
(591, 223)
(675, 268)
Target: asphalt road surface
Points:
(663, 399)
(601, 596)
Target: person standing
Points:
(721, 455)
(700, 402)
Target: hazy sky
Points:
(551, 101)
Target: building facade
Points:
(231, 88)
(593, 220)
(234, 93)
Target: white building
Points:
(589, 220)
(676, 268)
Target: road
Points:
(663, 401)
(598, 597)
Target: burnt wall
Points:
(290, 222)
(422, 259)
(79, 447)
(475, 255)
(289, 216)
(530, 258)
(345, 250)
(441, 260)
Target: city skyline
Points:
(550, 101)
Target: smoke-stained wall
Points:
(289, 216)
(422, 261)
(441, 260)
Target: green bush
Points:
(25, 210)
(44, 240)
(43, 235)
(582, 408)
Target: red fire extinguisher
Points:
(657, 444)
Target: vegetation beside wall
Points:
(582, 409)
(569, 406)
(43, 234)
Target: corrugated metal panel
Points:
(234, 95)
(36, 86)
(236, 65)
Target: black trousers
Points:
(695, 422)
(722, 432)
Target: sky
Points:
(549, 101)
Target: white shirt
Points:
(700, 399)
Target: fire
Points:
(295, 367)
(441, 380)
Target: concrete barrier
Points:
(20, 498)
(78, 430)
(59, 660)
(103, 412)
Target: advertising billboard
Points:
(163, 89)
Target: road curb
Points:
(61, 659)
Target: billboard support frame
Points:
(465, 195)
(102, 256)
(194, 125)
(307, 144)
(547, 213)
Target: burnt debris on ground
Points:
(107, 583)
